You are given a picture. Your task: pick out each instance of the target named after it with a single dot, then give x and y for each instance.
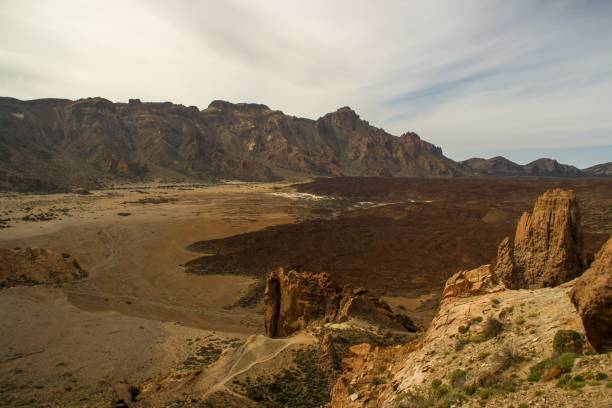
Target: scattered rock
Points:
(592, 295)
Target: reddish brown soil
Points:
(402, 248)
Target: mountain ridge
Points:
(55, 144)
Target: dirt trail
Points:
(257, 349)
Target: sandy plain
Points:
(138, 313)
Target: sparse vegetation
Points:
(492, 327)
(457, 378)
(568, 341)
(304, 385)
(553, 367)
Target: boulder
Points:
(592, 296)
(31, 266)
(547, 246)
(469, 283)
(293, 300)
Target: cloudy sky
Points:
(524, 79)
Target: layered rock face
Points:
(592, 295)
(293, 300)
(32, 266)
(547, 246)
(470, 283)
(43, 141)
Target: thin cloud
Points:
(474, 76)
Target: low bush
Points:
(568, 341)
(507, 356)
(457, 378)
(562, 363)
(492, 327)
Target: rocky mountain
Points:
(604, 169)
(500, 166)
(53, 144)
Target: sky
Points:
(522, 79)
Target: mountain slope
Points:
(49, 144)
(500, 166)
(604, 169)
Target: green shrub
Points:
(442, 390)
(520, 320)
(568, 341)
(457, 378)
(476, 319)
(534, 376)
(565, 362)
(601, 376)
(486, 393)
(470, 389)
(436, 383)
(523, 405)
(463, 329)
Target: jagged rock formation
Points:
(49, 144)
(500, 166)
(32, 266)
(592, 295)
(293, 300)
(547, 246)
(469, 283)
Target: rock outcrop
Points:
(31, 266)
(547, 246)
(470, 283)
(592, 295)
(293, 300)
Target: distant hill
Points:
(604, 169)
(49, 144)
(500, 166)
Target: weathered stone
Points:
(293, 300)
(32, 266)
(547, 247)
(592, 295)
(469, 283)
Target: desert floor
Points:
(138, 313)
